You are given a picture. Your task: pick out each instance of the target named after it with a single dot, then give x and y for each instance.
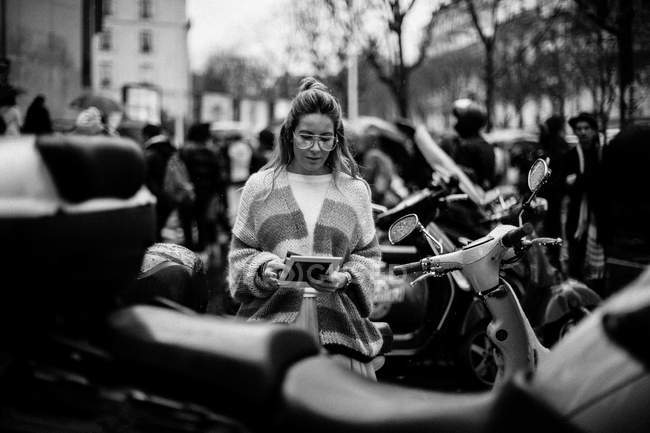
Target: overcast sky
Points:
(250, 26)
(260, 28)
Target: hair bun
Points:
(312, 83)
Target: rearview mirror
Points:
(403, 227)
(537, 174)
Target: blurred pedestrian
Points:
(9, 110)
(37, 118)
(266, 140)
(624, 207)
(582, 255)
(310, 200)
(467, 147)
(205, 171)
(11, 119)
(89, 122)
(378, 169)
(158, 149)
(239, 157)
(553, 145)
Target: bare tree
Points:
(240, 76)
(346, 19)
(392, 69)
(484, 16)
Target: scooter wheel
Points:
(476, 358)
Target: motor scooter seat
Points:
(86, 167)
(75, 221)
(321, 395)
(225, 363)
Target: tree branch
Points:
(585, 7)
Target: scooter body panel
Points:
(592, 380)
(511, 332)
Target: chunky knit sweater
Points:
(269, 223)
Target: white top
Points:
(309, 192)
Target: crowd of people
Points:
(595, 195)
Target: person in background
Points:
(553, 146)
(239, 156)
(624, 207)
(37, 118)
(467, 147)
(89, 122)
(205, 170)
(9, 111)
(310, 200)
(581, 256)
(157, 151)
(11, 119)
(266, 140)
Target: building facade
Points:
(48, 45)
(144, 42)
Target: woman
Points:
(310, 200)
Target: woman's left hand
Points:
(332, 282)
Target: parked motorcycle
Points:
(518, 347)
(552, 305)
(429, 318)
(74, 360)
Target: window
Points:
(145, 7)
(106, 40)
(146, 73)
(107, 7)
(145, 41)
(105, 74)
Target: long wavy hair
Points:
(314, 97)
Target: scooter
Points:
(454, 210)
(518, 347)
(74, 360)
(428, 319)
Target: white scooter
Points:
(518, 348)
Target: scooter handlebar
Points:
(428, 264)
(513, 237)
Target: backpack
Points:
(176, 182)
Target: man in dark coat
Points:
(553, 146)
(577, 174)
(207, 174)
(157, 151)
(468, 148)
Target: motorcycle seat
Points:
(224, 362)
(86, 167)
(75, 221)
(323, 396)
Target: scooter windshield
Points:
(443, 164)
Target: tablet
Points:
(301, 270)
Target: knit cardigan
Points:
(269, 223)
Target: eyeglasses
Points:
(306, 141)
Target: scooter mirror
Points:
(402, 228)
(537, 174)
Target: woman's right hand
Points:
(271, 271)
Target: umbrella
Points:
(104, 104)
(370, 125)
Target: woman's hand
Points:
(271, 271)
(332, 282)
